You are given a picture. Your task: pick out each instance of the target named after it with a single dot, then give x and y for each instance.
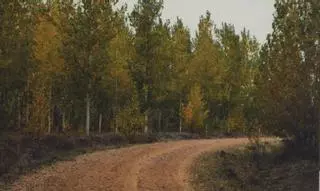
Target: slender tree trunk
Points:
(159, 120)
(63, 121)
(49, 110)
(25, 101)
(57, 119)
(117, 129)
(88, 115)
(19, 113)
(27, 113)
(88, 102)
(100, 122)
(116, 126)
(42, 123)
(49, 121)
(206, 130)
(146, 120)
(116, 107)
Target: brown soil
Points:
(160, 166)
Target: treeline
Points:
(287, 94)
(88, 66)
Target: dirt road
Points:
(160, 166)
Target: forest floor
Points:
(271, 167)
(158, 166)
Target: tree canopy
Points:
(91, 67)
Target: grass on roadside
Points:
(246, 169)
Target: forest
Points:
(92, 67)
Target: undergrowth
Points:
(268, 167)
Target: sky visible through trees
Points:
(257, 16)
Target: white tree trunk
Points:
(116, 129)
(146, 120)
(63, 121)
(116, 126)
(49, 112)
(88, 102)
(49, 122)
(27, 114)
(180, 125)
(88, 115)
(19, 112)
(100, 122)
(206, 130)
(159, 120)
(26, 119)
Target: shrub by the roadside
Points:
(264, 167)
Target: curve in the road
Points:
(159, 166)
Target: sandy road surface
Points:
(159, 166)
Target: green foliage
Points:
(129, 119)
(62, 64)
(288, 79)
(195, 112)
(143, 18)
